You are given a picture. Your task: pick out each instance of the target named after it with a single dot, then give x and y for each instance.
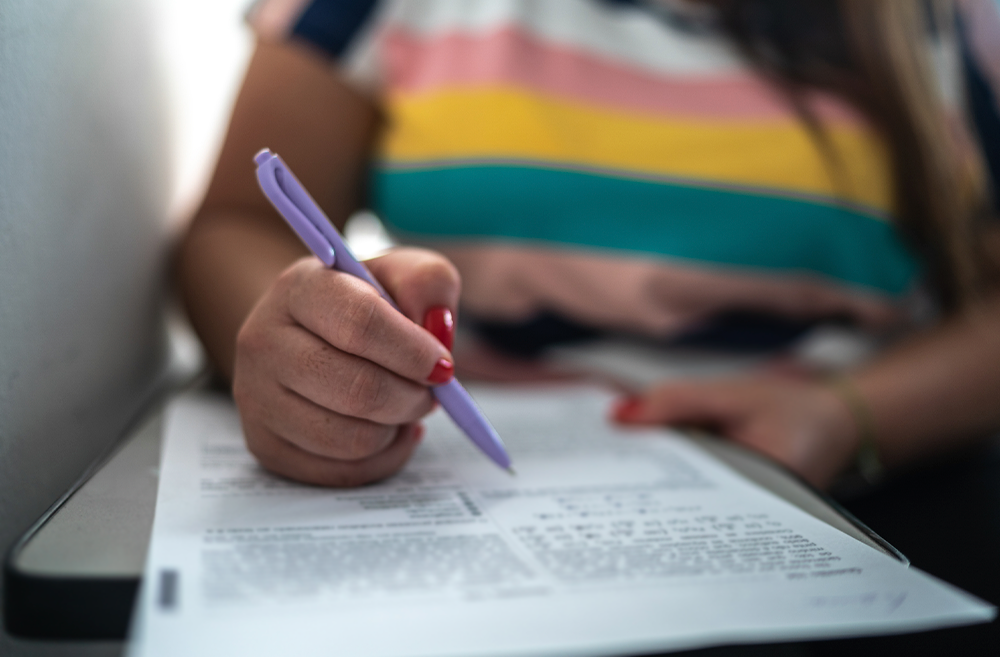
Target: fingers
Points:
(284, 458)
(298, 438)
(417, 280)
(319, 431)
(344, 383)
(330, 378)
(349, 315)
(682, 403)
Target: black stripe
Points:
(983, 106)
(331, 25)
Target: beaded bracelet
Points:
(868, 462)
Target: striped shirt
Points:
(616, 163)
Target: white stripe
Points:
(360, 63)
(273, 20)
(629, 35)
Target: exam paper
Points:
(606, 542)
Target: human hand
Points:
(331, 381)
(799, 422)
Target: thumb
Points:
(425, 286)
(679, 403)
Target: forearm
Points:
(938, 390)
(224, 265)
(292, 102)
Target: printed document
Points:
(606, 542)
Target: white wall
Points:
(204, 46)
(109, 116)
(82, 196)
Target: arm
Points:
(939, 389)
(935, 392)
(329, 379)
(237, 245)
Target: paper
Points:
(607, 542)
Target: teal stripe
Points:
(727, 228)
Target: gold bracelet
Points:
(868, 462)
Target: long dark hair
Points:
(874, 54)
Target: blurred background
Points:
(203, 48)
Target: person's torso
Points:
(611, 163)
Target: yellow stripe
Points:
(511, 123)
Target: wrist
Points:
(855, 406)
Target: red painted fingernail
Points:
(442, 373)
(627, 409)
(441, 323)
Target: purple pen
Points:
(313, 227)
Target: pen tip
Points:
(511, 471)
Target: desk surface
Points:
(103, 530)
(945, 518)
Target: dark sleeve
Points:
(330, 25)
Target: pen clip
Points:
(296, 195)
(269, 174)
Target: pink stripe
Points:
(510, 56)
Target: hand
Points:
(331, 381)
(800, 423)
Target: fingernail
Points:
(441, 324)
(418, 433)
(442, 373)
(627, 409)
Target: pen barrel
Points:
(459, 405)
